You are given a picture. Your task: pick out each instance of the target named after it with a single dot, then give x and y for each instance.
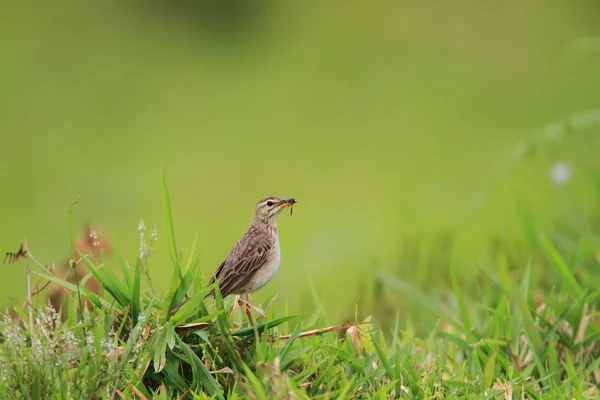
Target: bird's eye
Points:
(269, 203)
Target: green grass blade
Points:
(191, 258)
(346, 389)
(201, 374)
(174, 379)
(259, 390)
(461, 303)
(553, 362)
(494, 328)
(532, 333)
(135, 293)
(124, 268)
(344, 355)
(96, 301)
(109, 282)
(488, 372)
(576, 383)
(383, 358)
(285, 349)
(159, 348)
(190, 308)
(169, 223)
(563, 268)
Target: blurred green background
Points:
(382, 119)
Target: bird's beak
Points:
(287, 202)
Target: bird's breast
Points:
(268, 270)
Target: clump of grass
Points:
(498, 341)
(61, 360)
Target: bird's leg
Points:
(247, 309)
(236, 306)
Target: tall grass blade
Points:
(532, 333)
(488, 372)
(109, 282)
(461, 303)
(169, 223)
(563, 268)
(124, 268)
(135, 292)
(391, 373)
(96, 301)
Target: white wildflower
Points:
(137, 347)
(141, 225)
(70, 343)
(89, 340)
(105, 343)
(48, 317)
(94, 237)
(37, 350)
(3, 371)
(154, 234)
(561, 173)
(143, 246)
(108, 344)
(13, 337)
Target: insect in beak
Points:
(291, 202)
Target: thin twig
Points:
(72, 262)
(114, 393)
(333, 328)
(28, 278)
(37, 283)
(38, 289)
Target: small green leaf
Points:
(488, 372)
(159, 345)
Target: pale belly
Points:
(267, 272)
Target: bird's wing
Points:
(243, 262)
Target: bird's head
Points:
(268, 208)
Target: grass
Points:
(525, 326)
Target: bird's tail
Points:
(178, 306)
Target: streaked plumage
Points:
(255, 258)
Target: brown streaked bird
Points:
(256, 256)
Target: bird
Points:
(254, 259)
